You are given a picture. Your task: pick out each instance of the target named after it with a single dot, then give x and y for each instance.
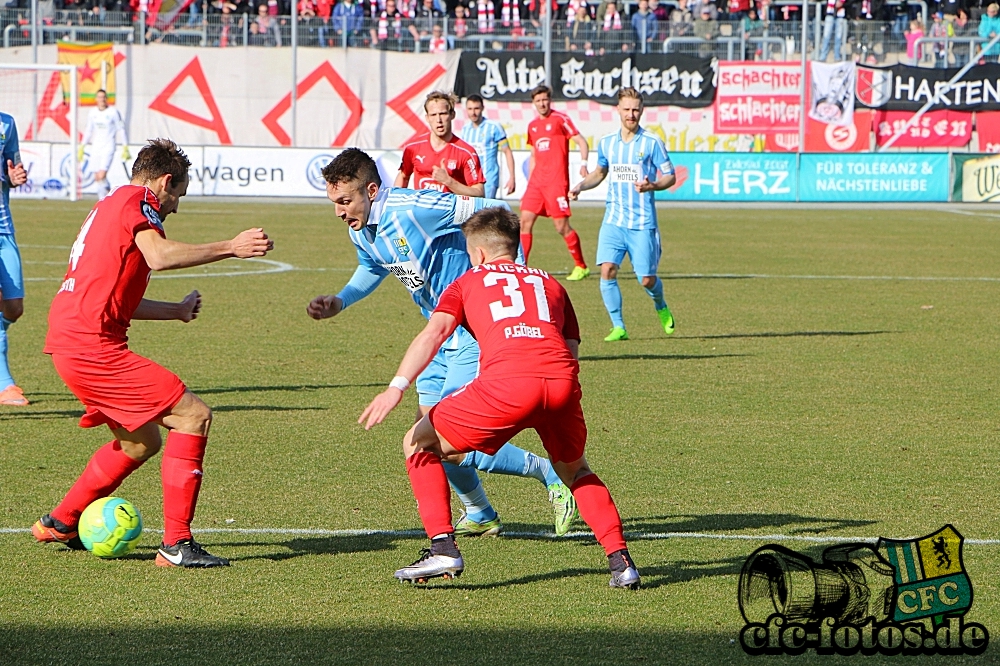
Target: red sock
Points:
(107, 468)
(573, 244)
(526, 246)
(430, 488)
(181, 475)
(598, 510)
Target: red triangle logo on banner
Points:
(351, 101)
(194, 72)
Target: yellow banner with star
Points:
(95, 70)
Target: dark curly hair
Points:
(350, 166)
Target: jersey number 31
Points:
(512, 290)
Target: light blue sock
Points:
(470, 491)
(5, 378)
(612, 296)
(514, 461)
(656, 293)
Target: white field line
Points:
(885, 278)
(637, 536)
(271, 266)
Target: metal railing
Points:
(938, 51)
(775, 36)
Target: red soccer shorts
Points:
(485, 414)
(118, 387)
(546, 201)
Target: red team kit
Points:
(458, 158)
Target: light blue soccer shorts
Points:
(450, 370)
(11, 277)
(641, 245)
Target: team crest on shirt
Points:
(151, 215)
(401, 245)
(548, 127)
(452, 165)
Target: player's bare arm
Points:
(589, 182)
(324, 307)
(16, 173)
(163, 254)
(418, 356)
(185, 311)
(574, 348)
(441, 175)
(402, 180)
(581, 143)
(508, 155)
(665, 181)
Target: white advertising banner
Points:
(250, 172)
(242, 96)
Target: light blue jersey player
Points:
(12, 174)
(638, 165)
(416, 237)
(489, 139)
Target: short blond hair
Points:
(994, 6)
(441, 96)
(630, 93)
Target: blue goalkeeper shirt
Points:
(9, 150)
(417, 237)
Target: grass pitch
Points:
(816, 405)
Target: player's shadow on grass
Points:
(659, 357)
(286, 388)
(332, 545)
(42, 415)
(735, 522)
(264, 408)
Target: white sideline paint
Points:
(887, 278)
(635, 536)
(271, 266)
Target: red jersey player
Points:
(120, 242)
(529, 339)
(439, 160)
(548, 181)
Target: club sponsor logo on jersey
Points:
(624, 173)
(429, 184)
(151, 215)
(407, 273)
(402, 247)
(543, 144)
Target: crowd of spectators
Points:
(865, 30)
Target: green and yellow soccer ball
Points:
(110, 527)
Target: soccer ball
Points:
(110, 527)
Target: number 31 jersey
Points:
(107, 274)
(521, 317)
